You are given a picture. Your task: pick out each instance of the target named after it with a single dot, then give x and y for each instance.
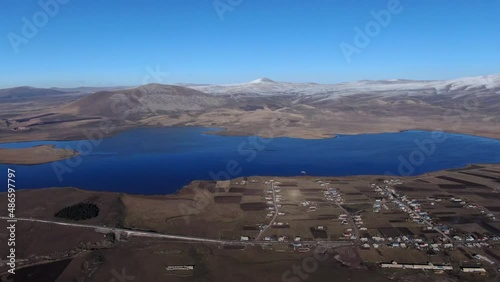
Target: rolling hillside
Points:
(309, 110)
(144, 100)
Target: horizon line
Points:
(247, 82)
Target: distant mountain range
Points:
(27, 92)
(266, 86)
(466, 105)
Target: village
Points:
(430, 223)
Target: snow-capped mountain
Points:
(262, 80)
(266, 86)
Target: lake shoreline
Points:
(188, 189)
(35, 155)
(298, 133)
(163, 160)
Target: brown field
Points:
(146, 260)
(35, 155)
(215, 210)
(44, 203)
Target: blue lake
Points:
(162, 160)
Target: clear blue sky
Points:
(111, 42)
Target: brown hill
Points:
(141, 101)
(26, 92)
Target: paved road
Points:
(351, 221)
(169, 236)
(430, 224)
(126, 231)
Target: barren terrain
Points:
(35, 155)
(468, 106)
(465, 201)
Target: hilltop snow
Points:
(266, 86)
